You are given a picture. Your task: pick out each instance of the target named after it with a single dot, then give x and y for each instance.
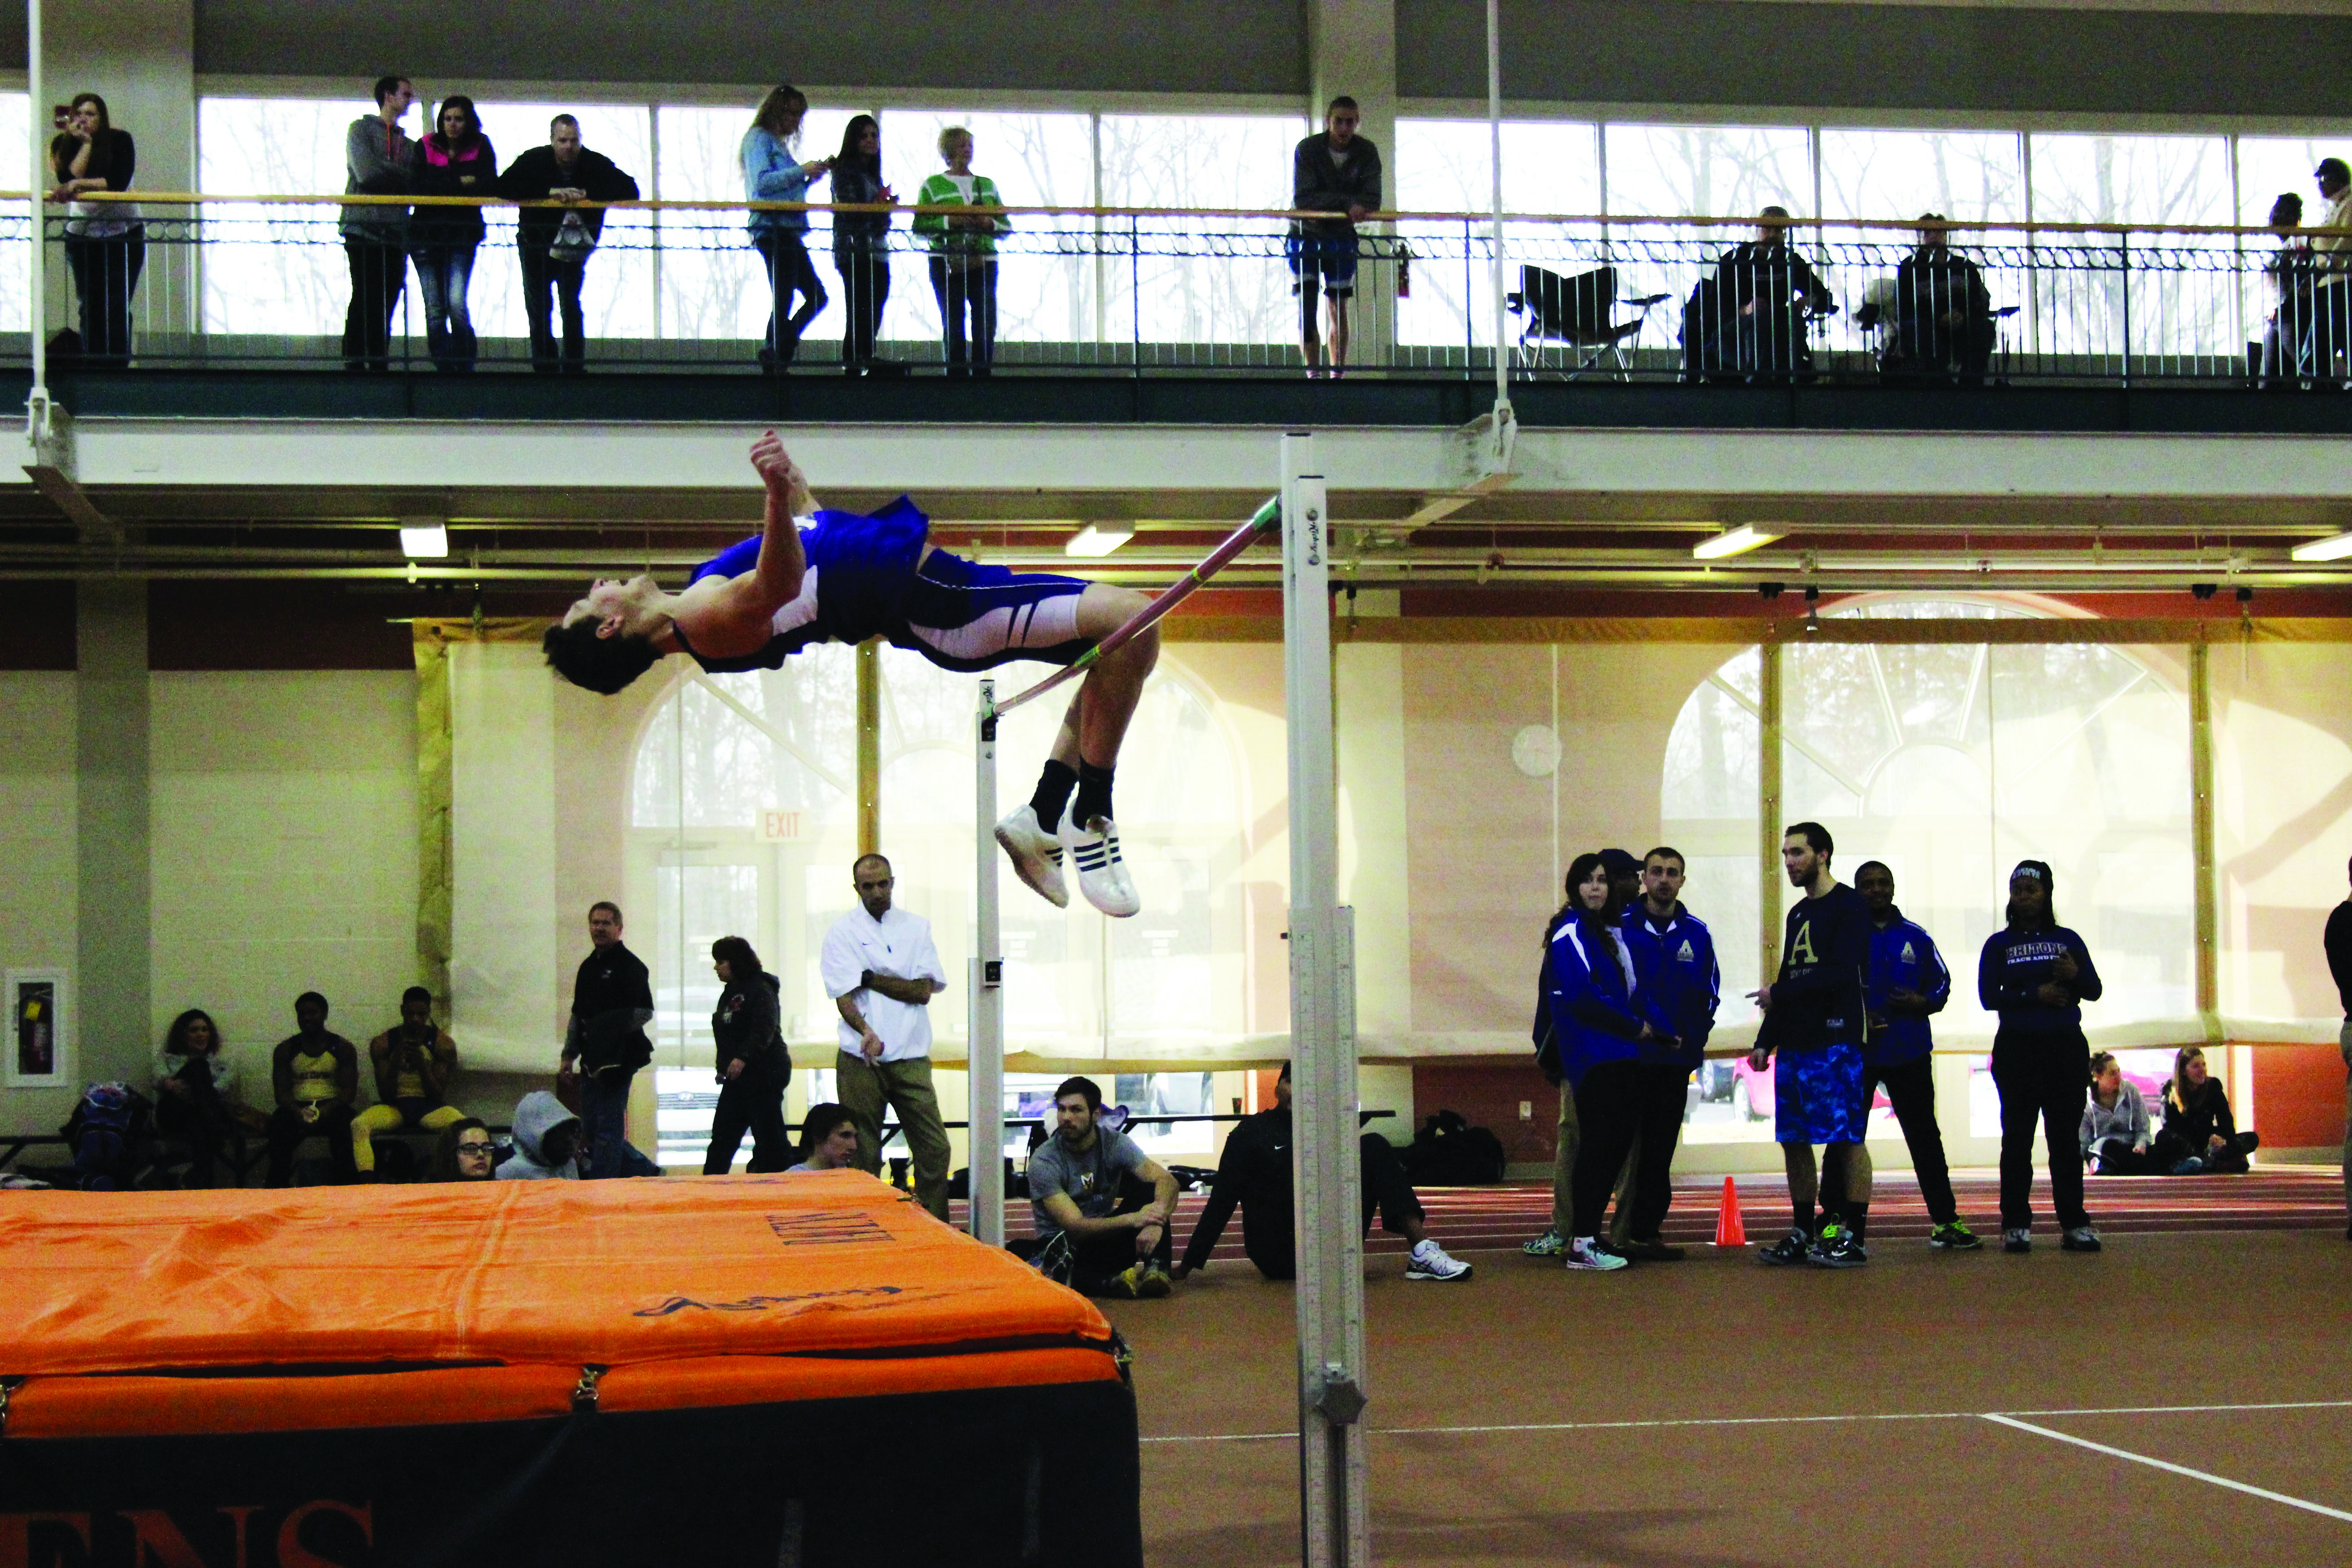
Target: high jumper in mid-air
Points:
(846, 577)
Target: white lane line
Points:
(1779, 1421)
(2210, 1479)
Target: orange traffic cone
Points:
(1728, 1229)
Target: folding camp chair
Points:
(1578, 313)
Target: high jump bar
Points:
(1267, 519)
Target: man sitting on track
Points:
(847, 578)
(1814, 1016)
(1101, 1204)
(1255, 1172)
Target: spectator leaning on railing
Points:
(105, 245)
(773, 172)
(964, 253)
(1334, 170)
(453, 160)
(555, 245)
(379, 159)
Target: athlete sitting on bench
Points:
(847, 578)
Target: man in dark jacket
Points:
(1254, 1172)
(611, 1003)
(1943, 314)
(1334, 170)
(1752, 316)
(554, 262)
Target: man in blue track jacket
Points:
(1689, 986)
(1908, 984)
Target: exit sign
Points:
(782, 827)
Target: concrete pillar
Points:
(140, 57)
(1351, 49)
(112, 953)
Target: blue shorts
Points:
(967, 615)
(1818, 1096)
(1332, 258)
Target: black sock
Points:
(1094, 793)
(1804, 1220)
(1054, 787)
(1857, 1218)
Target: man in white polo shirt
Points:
(881, 970)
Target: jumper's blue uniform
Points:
(867, 576)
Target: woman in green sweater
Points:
(964, 253)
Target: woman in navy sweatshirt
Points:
(2036, 975)
(1603, 1009)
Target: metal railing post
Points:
(37, 316)
(2123, 254)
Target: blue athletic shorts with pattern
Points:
(1819, 1096)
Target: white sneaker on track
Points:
(1429, 1261)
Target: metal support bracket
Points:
(1338, 1395)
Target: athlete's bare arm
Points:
(729, 616)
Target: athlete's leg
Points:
(1097, 719)
(1804, 1183)
(1912, 1088)
(375, 1118)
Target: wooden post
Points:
(2201, 837)
(1769, 879)
(869, 746)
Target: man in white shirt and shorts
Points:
(882, 971)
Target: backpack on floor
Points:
(1447, 1152)
(106, 1133)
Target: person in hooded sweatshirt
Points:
(2036, 975)
(547, 1141)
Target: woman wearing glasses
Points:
(467, 1153)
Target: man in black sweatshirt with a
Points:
(2339, 964)
(555, 264)
(1815, 1017)
(1254, 1172)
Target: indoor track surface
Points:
(2182, 1398)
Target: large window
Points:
(1950, 764)
(743, 821)
(1447, 166)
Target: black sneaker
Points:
(1954, 1236)
(2082, 1238)
(1791, 1248)
(1838, 1248)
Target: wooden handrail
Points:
(1589, 220)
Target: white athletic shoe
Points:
(1102, 872)
(1595, 1253)
(1036, 856)
(1429, 1261)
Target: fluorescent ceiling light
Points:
(424, 541)
(1731, 542)
(2333, 549)
(1096, 539)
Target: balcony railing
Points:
(263, 281)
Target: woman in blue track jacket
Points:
(1605, 1009)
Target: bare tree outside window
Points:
(1447, 166)
(1212, 280)
(2181, 298)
